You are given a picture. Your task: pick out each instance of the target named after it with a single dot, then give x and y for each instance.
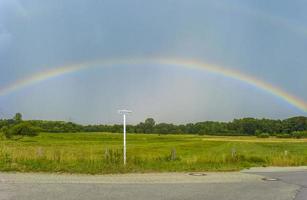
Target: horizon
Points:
(157, 122)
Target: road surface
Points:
(245, 185)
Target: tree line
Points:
(244, 126)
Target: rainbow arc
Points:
(190, 64)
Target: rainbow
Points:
(191, 64)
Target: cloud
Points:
(12, 7)
(9, 9)
(40, 35)
(5, 39)
(263, 15)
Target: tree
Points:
(18, 117)
(146, 127)
(295, 124)
(149, 125)
(247, 126)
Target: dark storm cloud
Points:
(264, 40)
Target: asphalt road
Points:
(246, 185)
(291, 176)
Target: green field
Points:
(98, 153)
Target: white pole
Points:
(124, 112)
(124, 139)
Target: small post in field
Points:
(173, 154)
(124, 112)
(233, 152)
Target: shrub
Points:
(283, 135)
(263, 135)
(6, 131)
(21, 129)
(299, 134)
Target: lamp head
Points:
(124, 112)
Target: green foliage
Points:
(283, 136)
(18, 117)
(299, 134)
(294, 124)
(263, 135)
(21, 129)
(245, 126)
(7, 133)
(60, 126)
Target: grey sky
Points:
(265, 39)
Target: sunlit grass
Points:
(102, 153)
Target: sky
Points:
(263, 39)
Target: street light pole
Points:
(124, 124)
(124, 112)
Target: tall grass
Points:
(98, 153)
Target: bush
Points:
(299, 134)
(263, 135)
(284, 136)
(21, 129)
(6, 131)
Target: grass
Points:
(98, 153)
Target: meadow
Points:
(100, 153)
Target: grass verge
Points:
(99, 153)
